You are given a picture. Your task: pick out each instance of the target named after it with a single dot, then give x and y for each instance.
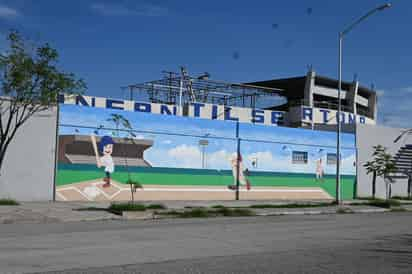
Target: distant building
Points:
(312, 101)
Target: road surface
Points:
(345, 243)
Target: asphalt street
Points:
(343, 243)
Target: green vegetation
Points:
(156, 206)
(92, 208)
(119, 207)
(381, 165)
(234, 212)
(195, 213)
(294, 205)
(379, 203)
(384, 203)
(344, 210)
(217, 206)
(201, 212)
(8, 202)
(31, 82)
(126, 207)
(402, 198)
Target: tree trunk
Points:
(374, 185)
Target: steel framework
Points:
(180, 89)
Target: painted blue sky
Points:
(176, 140)
(93, 118)
(115, 43)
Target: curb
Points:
(137, 215)
(321, 212)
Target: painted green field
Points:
(164, 176)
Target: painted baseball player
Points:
(106, 161)
(319, 170)
(234, 161)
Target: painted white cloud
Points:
(149, 10)
(8, 12)
(219, 159)
(185, 156)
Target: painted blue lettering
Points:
(276, 117)
(325, 115)
(258, 116)
(362, 120)
(342, 117)
(307, 113)
(196, 109)
(164, 109)
(214, 112)
(82, 101)
(351, 118)
(112, 104)
(142, 107)
(227, 115)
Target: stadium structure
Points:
(309, 101)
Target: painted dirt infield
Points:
(93, 191)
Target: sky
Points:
(178, 147)
(111, 44)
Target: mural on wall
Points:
(186, 158)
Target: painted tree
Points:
(30, 84)
(122, 124)
(381, 165)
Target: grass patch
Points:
(236, 212)
(296, 205)
(195, 213)
(167, 213)
(8, 202)
(402, 198)
(156, 206)
(126, 207)
(384, 203)
(379, 203)
(91, 209)
(208, 213)
(218, 206)
(344, 210)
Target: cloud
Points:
(185, 156)
(7, 12)
(394, 107)
(148, 10)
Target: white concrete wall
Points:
(28, 170)
(368, 136)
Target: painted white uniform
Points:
(233, 161)
(319, 169)
(107, 162)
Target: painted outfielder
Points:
(319, 170)
(243, 180)
(106, 149)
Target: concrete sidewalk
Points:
(56, 212)
(52, 212)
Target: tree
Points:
(30, 84)
(122, 123)
(381, 165)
